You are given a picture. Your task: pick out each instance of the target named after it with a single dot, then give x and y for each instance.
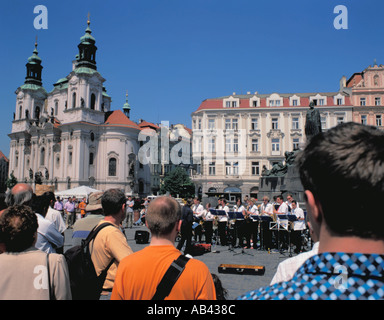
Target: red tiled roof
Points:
(217, 103)
(354, 79)
(118, 118)
(3, 156)
(144, 124)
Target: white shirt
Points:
(225, 217)
(238, 209)
(48, 236)
(288, 267)
(55, 217)
(266, 208)
(289, 204)
(299, 224)
(283, 209)
(130, 205)
(198, 210)
(254, 209)
(208, 216)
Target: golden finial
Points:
(89, 19)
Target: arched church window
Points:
(93, 101)
(37, 112)
(21, 112)
(112, 167)
(70, 157)
(42, 156)
(74, 100)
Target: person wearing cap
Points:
(94, 214)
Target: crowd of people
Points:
(32, 236)
(347, 159)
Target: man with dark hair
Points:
(186, 227)
(110, 243)
(348, 160)
(23, 268)
(48, 237)
(54, 216)
(140, 273)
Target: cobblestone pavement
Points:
(236, 284)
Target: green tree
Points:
(177, 182)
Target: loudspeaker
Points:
(141, 236)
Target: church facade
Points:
(69, 136)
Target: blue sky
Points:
(172, 54)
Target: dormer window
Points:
(294, 101)
(231, 102)
(318, 100)
(274, 100)
(254, 102)
(339, 100)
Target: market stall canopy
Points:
(78, 192)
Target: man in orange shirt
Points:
(139, 273)
(82, 206)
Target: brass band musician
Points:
(239, 224)
(298, 226)
(252, 226)
(281, 208)
(222, 221)
(266, 209)
(198, 211)
(208, 218)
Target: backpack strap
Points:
(170, 277)
(95, 231)
(51, 293)
(92, 235)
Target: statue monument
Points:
(284, 178)
(312, 122)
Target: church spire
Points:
(126, 107)
(87, 49)
(34, 68)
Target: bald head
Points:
(20, 194)
(21, 187)
(162, 215)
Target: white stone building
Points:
(236, 136)
(69, 136)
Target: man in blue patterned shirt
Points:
(347, 160)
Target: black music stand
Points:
(291, 218)
(263, 219)
(238, 216)
(214, 234)
(280, 226)
(219, 213)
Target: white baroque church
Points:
(69, 136)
